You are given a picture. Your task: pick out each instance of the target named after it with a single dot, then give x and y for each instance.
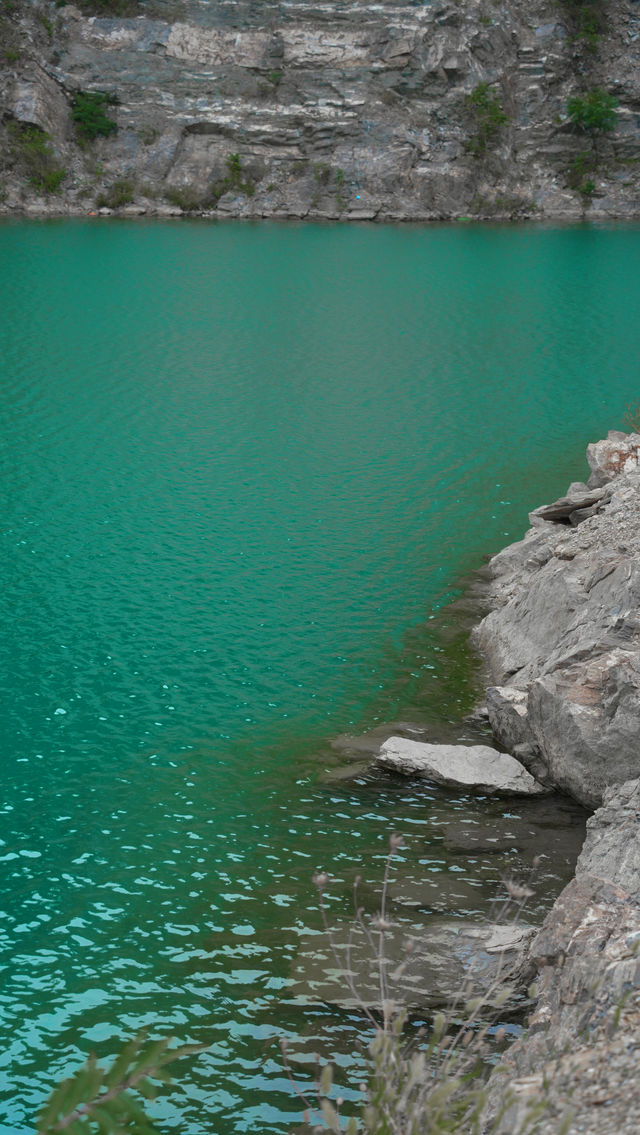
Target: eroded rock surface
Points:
(352, 110)
(582, 1041)
(563, 642)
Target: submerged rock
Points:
(444, 963)
(467, 838)
(469, 766)
(439, 891)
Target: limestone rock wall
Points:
(579, 1054)
(563, 640)
(341, 109)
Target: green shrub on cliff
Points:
(119, 193)
(587, 22)
(580, 174)
(487, 116)
(594, 113)
(88, 113)
(30, 148)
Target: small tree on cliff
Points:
(484, 109)
(594, 113)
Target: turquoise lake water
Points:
(244, 468)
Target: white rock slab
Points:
(466, 766)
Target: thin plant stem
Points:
(287, 1067)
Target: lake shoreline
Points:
(588, 978)
(560, 641)
(572, 217)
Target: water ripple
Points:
(241, 481)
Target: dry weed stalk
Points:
(432, 1084)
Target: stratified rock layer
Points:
(563, 642)
(352, 110)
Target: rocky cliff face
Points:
(563, 642)
(340, 109)
(579, 1054)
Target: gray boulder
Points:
(616, 454)
(469, 766)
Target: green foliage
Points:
(586, 20)
(515, 207)
(268, 85)
(119, 193)
(484, 108)
(595, 113)
(10, 45)
(235, 179)
(580, 171)
(108, 1100)
(30, 148)
(322, 173)
(148, 134)
(44, 20)
(331, 179)
(190, 200)
(88, 113)
(186, 198)
(234, 166)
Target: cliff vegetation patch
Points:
(587, 21)
(487, 116)
(594, 112)
(30, 149)
(88, 111)
(120, 193)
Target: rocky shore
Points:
(404, 110)
(562, 649)
(563, 640)
(579, 1053)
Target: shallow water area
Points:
(245, 467)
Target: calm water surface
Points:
(243, 468)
